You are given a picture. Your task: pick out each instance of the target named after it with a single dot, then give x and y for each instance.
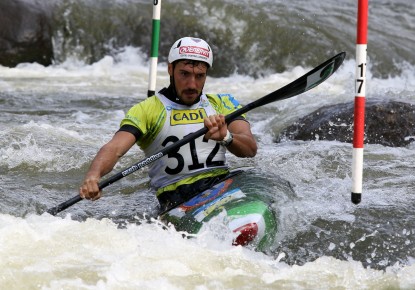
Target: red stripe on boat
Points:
(248, 232)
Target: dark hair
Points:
(191, 62)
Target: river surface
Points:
(54, 119)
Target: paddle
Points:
(301, 85)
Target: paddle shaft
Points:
(301, 85)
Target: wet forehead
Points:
(196, 67)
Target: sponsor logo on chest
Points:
(180, 117)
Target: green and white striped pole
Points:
(155, 38)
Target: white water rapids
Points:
(55, 119)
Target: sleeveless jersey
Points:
(163, 122)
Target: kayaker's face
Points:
(189, 80)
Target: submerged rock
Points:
(25, 32)
(389, 123)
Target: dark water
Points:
(250, 37)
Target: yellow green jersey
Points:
(162, 122)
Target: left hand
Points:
(217, 127)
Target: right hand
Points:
(90, 188)
(217, 127)
(104, 162)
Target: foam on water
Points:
(42, 146)
(53, 253)
(123, 74)
(128, 70)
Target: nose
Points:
(191, 82)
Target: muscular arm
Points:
(244, 143)
(104, 162)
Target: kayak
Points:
(247, 214)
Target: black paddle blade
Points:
(308, 81)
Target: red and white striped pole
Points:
(359, 101)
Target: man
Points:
(171, 114)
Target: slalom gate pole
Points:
(359, 101)
(155, 38)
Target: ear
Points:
(170, 69)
